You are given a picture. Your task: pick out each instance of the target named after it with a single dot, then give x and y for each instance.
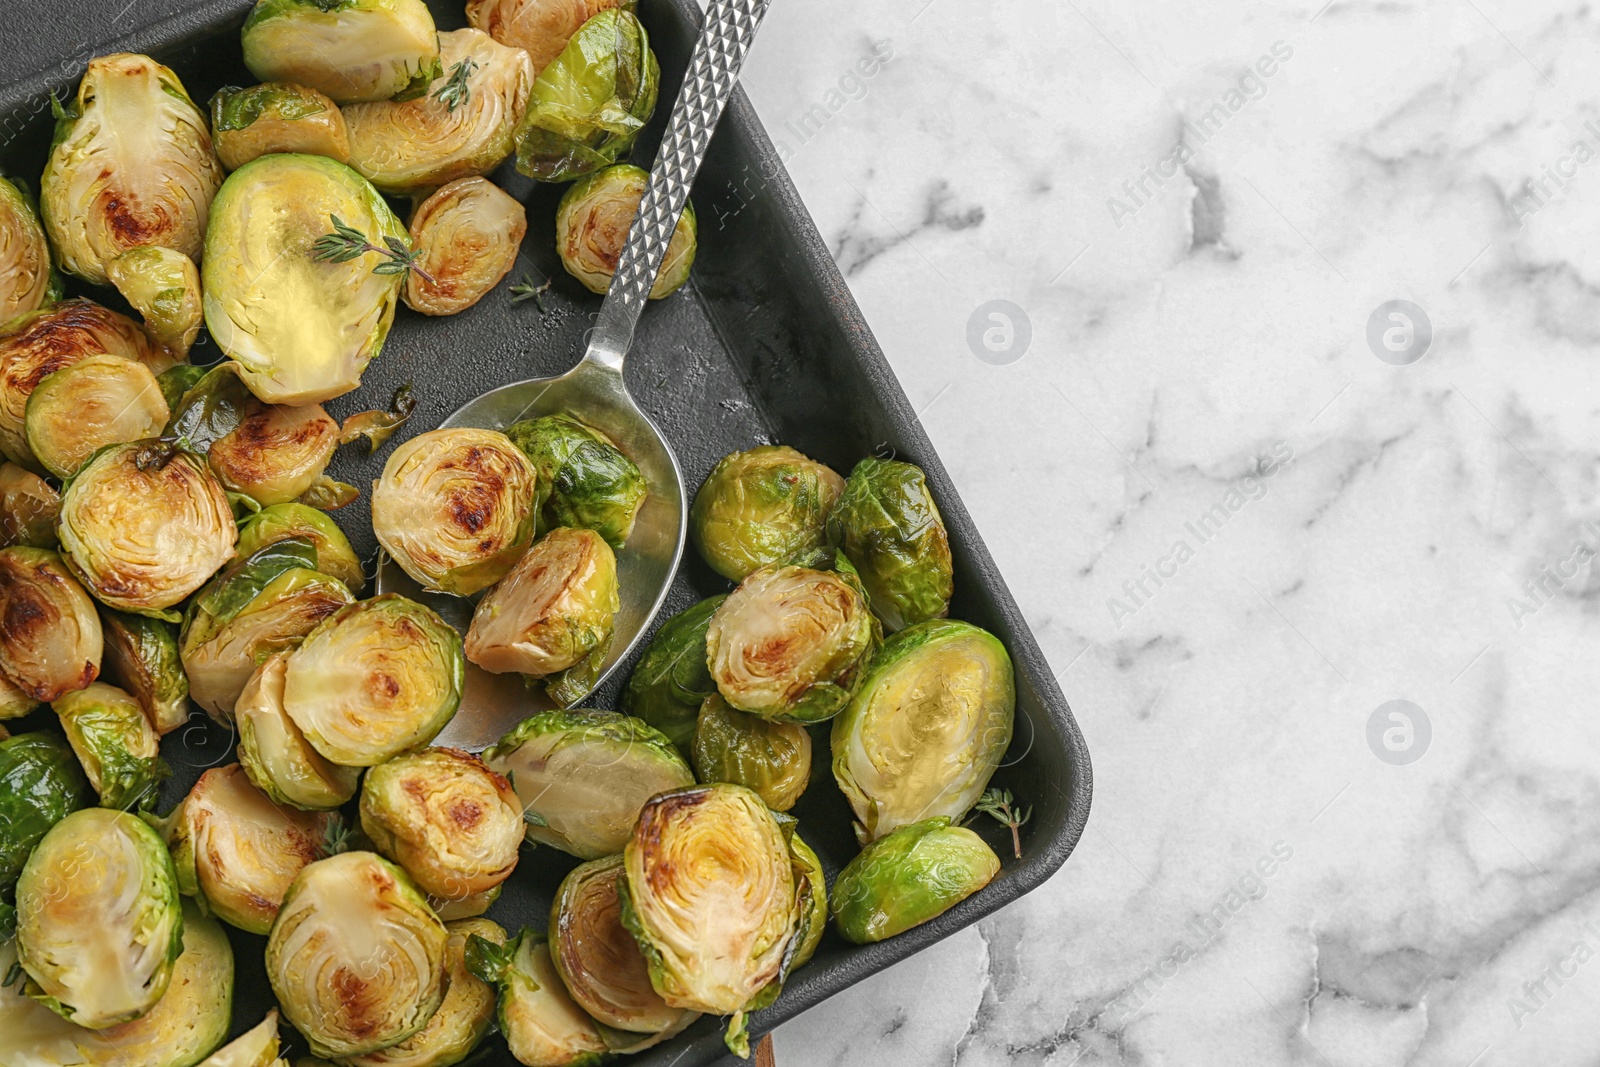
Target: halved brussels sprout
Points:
(40, 784)
(98, 921)
(356, 958)
(762, 507)
(815, 922)
(582, 776)
(14, 704)
(131, 165)
(302, 328)
(27, 281)
(918, 872)
(141, 656)
(598, 959)
(163, 286)
(276, 755)
(351, 50)
(451, 822)
(541, 28)
(592, 225)
(889, 526)
(469, 907)
(28, 508)
(927, 728)
(589, 483)
(52, 641)
(671, 680)
(256, 1047)
(467, 235)
(791, 643)
(276, 453)
(590, 102)
(98, 401)
(542, 1024)
(144, 524)
(239, 851)
(463, 127)
(119, 750)
(276, 117)
(771, 758)
(279, 522)
(377, 679)
(552, 616)
(455, 508)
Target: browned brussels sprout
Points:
(276, 117)
(542, 28)
(467, 236)
(28, 508)
(98, 401)
(52, 642)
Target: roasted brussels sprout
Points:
(887, 523)
(766, 506)
(592, 225)
(542, 1024)
(589, 484)
(582, 776)
(356, 957)
(467, 235)
(28, 508)
(98, 921)
(901, 880)
(141, 657)
(462, 128)
(27, 281)
(98, 401)
(279, 522)
(771, 758)
(14, 704)
(350, 50)
(276, 117)
(376, 679)
(590, 102)
(144, 524)
(792, 643)
(927, 728)
(40, 784)
(541, 28)
(276, 755)
(302, 328)
(815, 921)
(256, 1047)
(163, 286)
(455, 508)
(116, 744)
(52, 641)
(276, 453)
(671, 680)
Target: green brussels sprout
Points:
(40, 784)
(590, 102)
(164, 287)
(773, 759)
(28, 508)
(541, 28)
(815, 922)
(141, 656)
(256, 1047)
(887, 523)
(918, 872)
(464, 128)
(178, 380)
(589, 482)
(543, 1026)
(143, 525)
(763, 507)
(131, 165)
(302, 328)
(927, 728)
(277, 453)
(553, 615)
(467, 236)
(78, 410)
(582, 776)
(592, 225)
(374, 680)
(451, 822)
(27, 280)
(276, 755)
(278, 522)
(276, 117)
(349, 50)
(598, 959)
(468, 907)
(356, 957)
(671, 680)
(52, 641)
(791, 643)
(14, 703)
(455, 508)
(119, 750)
(98, 921)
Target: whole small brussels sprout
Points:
(352, 50)
(762, 507)
(914, 874)
(672, 680)
(276, 755)
(771, 758)
(588, 482)
(131, 165)
(374, 680)
(278, 522)
(592, 225)
(582, 776)
(40, 784)
(141, 657)
(467, 236)
(541, 28)
(28, 508)
(163, 286)
(276, 453)
(815, 922)
(455, 508)
(27, 280)
(889, 526)
(143, 525)
(256, 1047)
(119, 750)
(98, 921)
(926, 730)
(52, 641)
(356, 958)
(590, 102)
(276, 117)
(98, 401)
(541, 1023)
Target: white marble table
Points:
(1425, 534)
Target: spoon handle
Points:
(730, 27)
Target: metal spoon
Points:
(594, 390)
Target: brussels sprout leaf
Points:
(488, 961)
(378, 426)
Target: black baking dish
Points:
(765, 345)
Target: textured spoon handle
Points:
(713, 71)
